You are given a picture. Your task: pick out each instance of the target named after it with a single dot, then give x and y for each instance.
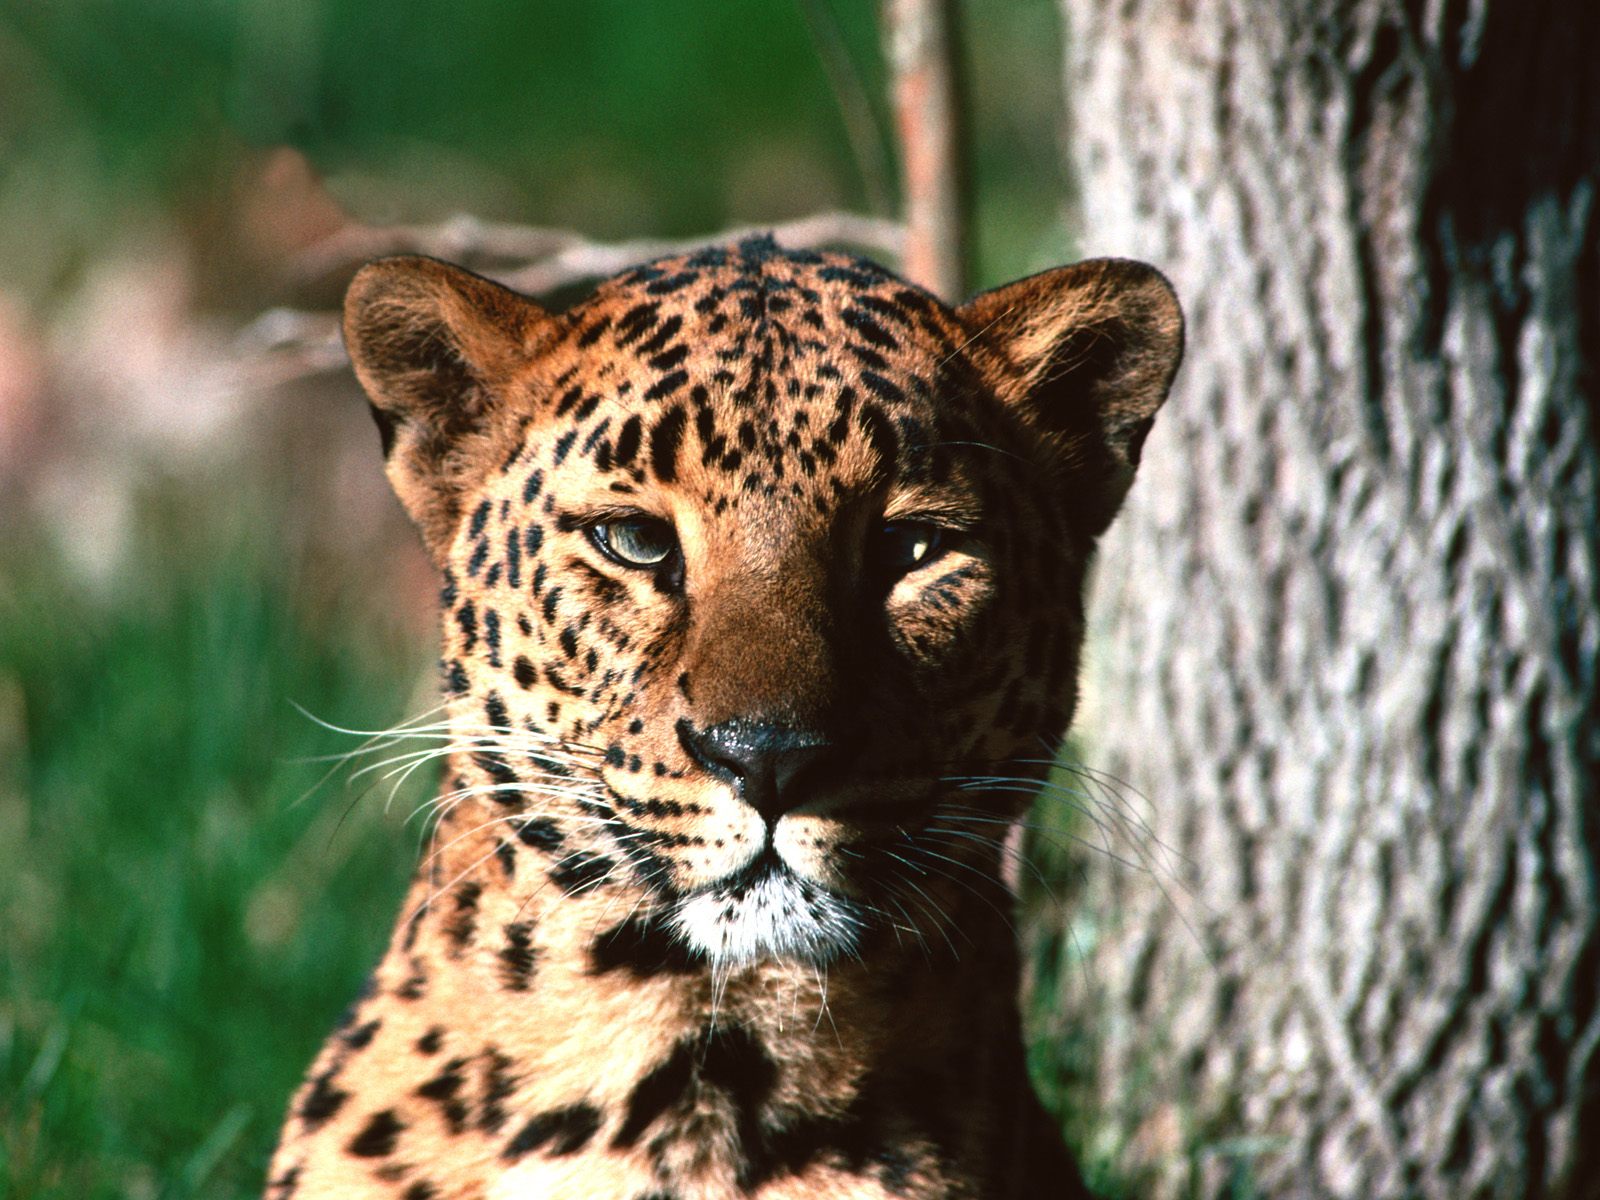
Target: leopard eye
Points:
(641, 542)
(903, 546)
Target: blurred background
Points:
(196, 541)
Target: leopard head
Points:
(752, 553)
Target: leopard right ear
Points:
(1086, 354)
(437, 348)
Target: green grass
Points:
(178, 933)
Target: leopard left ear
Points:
(1086, 354)
(436, 348)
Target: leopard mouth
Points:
(738, 885)
(767, 910)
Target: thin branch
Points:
(590, 260)
(540, 261)
(286, 344)
(920, 37)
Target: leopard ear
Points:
(1086, 353)
(436, 348)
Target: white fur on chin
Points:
(777, 916)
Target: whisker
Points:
(1006, 917)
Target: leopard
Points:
(757, 563)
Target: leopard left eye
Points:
(640, 542)
(903, 546)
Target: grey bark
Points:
(1347, 628)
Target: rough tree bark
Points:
(1348, 625)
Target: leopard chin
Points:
(768, 912)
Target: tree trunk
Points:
(1348, 625)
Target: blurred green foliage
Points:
(611, 116)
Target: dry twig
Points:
(541, 261)
(285, 344)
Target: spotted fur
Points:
(706, 914)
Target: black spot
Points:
(541, 833)
(770, 1153)
(361, 1036)
(415, 985)
(498, 1085)
(518, 957)
(467, 619)
(556, 680)
(656, 1092)
(497, 769)
(667, 330)
(627, 447)
(463, 923)
(568, 398)
(868, 328)
(734, 1060)
(522, 671)
(444, 1089)
(635, 321)
(494, 708)
(531, 489)
(430, 1042)
(880, 433)
(668, 359)
(378, 1137)
(664, 441)
(322, 1100)
(480, 517)
(671, 283)
(421, 1189)
(643, 949)
(855, 278)
(882, 388)
(730, 1059)
(564, 446)
(593, 333)
(506, 855)
(581, 872)
(566, 1130)
(513, 558)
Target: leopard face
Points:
(754, 559)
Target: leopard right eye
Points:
(902, 546)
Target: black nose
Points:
(764, 760)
